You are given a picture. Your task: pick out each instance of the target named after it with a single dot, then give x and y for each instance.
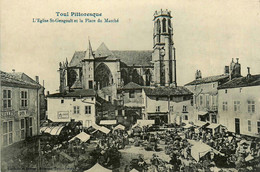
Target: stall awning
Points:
(52, 130)
(188, 126)
(213, 126)
(200, 149)
(108, 122)
(202, 113)
(120, 127)
(104, 130)
(82, 136)
(145, 122)
(98, 168)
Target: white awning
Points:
(188, 126)
(108, 122)
(202, 113)
(82, 136)
(98, 168)
(52, 130)
(213, 126)
(104, 130)
(145, 122)
(119, 126)
(200, 149)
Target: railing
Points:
(13, 114)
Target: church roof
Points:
(253, 80)
(167, 91)
(208, 80)
(103, 51)
(134, 57)
(77, 58)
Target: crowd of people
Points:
(229, 151)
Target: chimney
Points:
(13, 70)
(248, 73)
(48, 92)
(37, 79)
(226, 70)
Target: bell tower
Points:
(163, 55)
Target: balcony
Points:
(12, 114)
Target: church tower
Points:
(163, 55)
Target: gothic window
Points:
(169, 26)
(164, 25)
(158, 31)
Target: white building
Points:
(239, 104)
(78, 105)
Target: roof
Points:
(77, 58)
(98, 168)
(8, 79)
(131, 85)
(134, 57)
(103, 51)
(167, 91)
(75, 93)
(82, 136)
(253, 80)
(208, 79)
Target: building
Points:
(162, 104)
(106, 71)
(206, 93)
(239, 105)
(20, 107)
(78, 105)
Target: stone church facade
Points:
(106, 71)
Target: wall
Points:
(55, 107)
(243, 94)
(17, 113)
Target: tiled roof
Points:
(76, 93)
(103, 51)
(131, 57)
(208, 79)
(77, 58)
(13, 80)
(167, 91)
(253, 80)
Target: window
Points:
(249, 125)
(225, 107)
(74, 99)
(236, 106)
(157, 108)
(258, 126)
(22, 129)
(109, 98)
(184, 108)
(30, 126)
(201, 100)
(251, 106)
(207, 100)
(213, 85)
(164, 25)
(186, 117)
(157, 98)
(87, 109)
(88, 123)
(7, 133)
(226, 91)
(24, 99)
(7, 98)
(90, 83)
(132, 94)
(171, 108)
(61, 101)
(76, 109)
(214, 118)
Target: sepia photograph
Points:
(130, 86)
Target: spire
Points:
(90, 52)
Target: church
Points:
(106, 71)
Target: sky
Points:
(207, 34)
